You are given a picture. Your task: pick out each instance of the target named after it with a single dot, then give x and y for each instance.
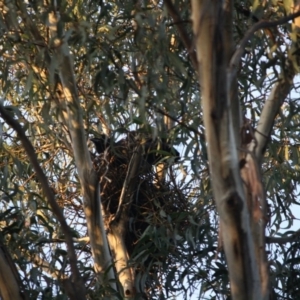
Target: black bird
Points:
(123, 148)
(101, 143)
(116, 151)
(155, 152)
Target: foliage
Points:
(133, 69)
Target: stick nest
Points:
(153, 202)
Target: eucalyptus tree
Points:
(215, 80)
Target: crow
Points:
(153, 152)
(101, 143)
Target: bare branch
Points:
(283, 240)
(132, 171)
(84, 239)
(269, 112)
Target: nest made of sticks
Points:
(152, 199)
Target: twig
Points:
(182, 33)
(85, 239)
(131, 173)
(283, 240)
(234, 62)
(164, 113)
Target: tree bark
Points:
(87, 175)
(10, 283)
(210, 19)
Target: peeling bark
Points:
(219, 106)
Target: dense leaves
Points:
(132, 70)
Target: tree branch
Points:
(283, 240)
(182, 33)
(116, 235)
(87, 175)
(132, 171)
(76, 278)
(235, 60)
(269, 112)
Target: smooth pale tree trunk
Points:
(103, 262)
(234, 160)
(213, 40)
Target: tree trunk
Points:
(221, 120)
